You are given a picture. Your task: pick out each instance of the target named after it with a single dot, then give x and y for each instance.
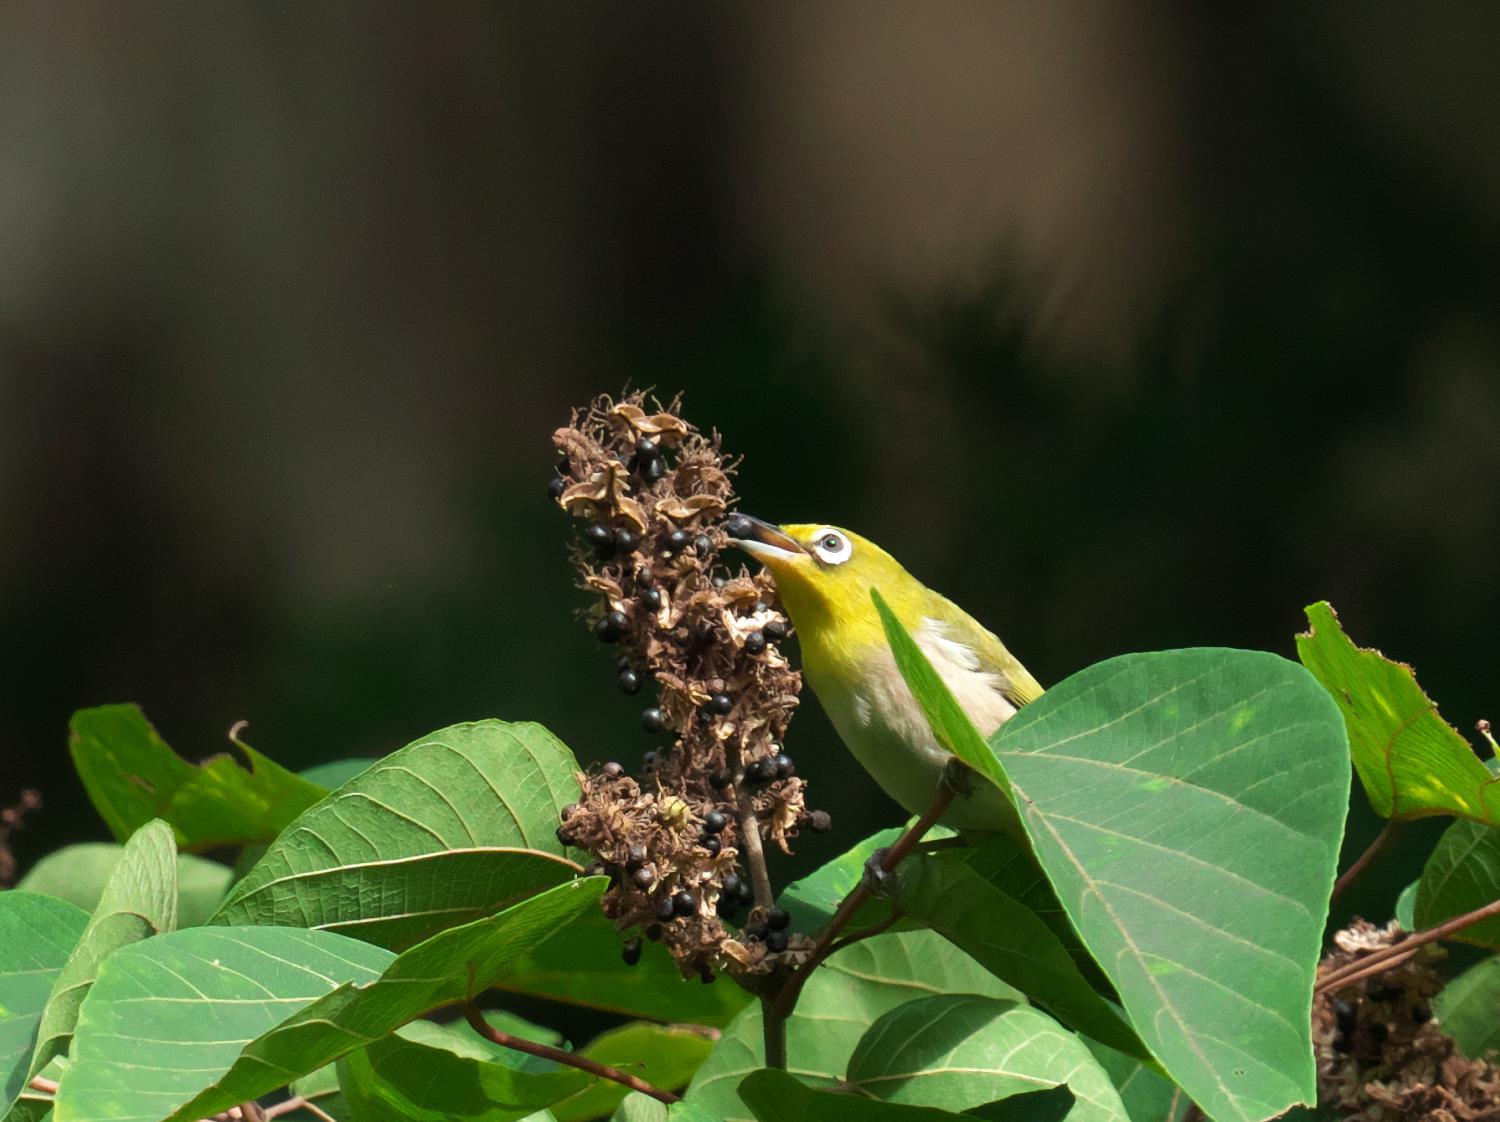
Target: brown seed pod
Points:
(651, 492)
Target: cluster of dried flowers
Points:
(13, 818)
(651, 495)
(1381, 1055)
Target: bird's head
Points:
(824, 573)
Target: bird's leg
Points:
(875, 877)
(958, 778)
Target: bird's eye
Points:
(831, 547)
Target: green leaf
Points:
(959, 1051)
(140, 900)
(842, 999)
(1188, 808)
(637, 1107)
(779, 1097)
(1463, 873)
(456, 825)
(432, 1073)
(1468, 1009)
(1406, 906)
(1411, 762)
(950, 724)
(1012, 943)
(1148, 1095)
(335, 773)
(236, 1012)
(665, 1056)
(37, 934)
(78, 874)
(581, 965)
(132, 777)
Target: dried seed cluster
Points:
(651, 495)
(1381, 1055)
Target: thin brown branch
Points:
(45, 1086)
(1377, 962)
(1382, 840)
(298, 1102)
(786, 1001)
(557, 1055)
(864, 933)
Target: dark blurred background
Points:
(1127, 326)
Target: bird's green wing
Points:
(1017, 684)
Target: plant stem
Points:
(557, 1055)
(785, 1001)
(1383, 839)
(1377, 962)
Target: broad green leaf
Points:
(637, 1107)
(842, 999)
(139, 900)
(132, 776)
(459, 824)
(78, 874)
(1148, 1095)
(1468, 1009)
(236, 1012)
(1012, 943)
(581, 965)
(1411, 762)
(1463, 873)
(1188, 807)
(950, 724)
(960, 1051)
(432, 1073)
(37, 934)
(335, 773)
(665, 1056)
(779, 1097)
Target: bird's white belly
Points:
(884, 727)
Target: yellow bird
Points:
(824, 575)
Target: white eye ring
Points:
(831, 547)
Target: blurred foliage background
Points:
(1127, 326)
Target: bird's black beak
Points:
(762, 540)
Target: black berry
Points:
(647, 449)
(630, 681)
(727, 905)
(755, 929)
(746, 893)
(820, 821)
(644, 877)
(710, 843)
(652, 720)
(569, 810)
(759, 772)
(678, 540)
(1342, 1043)
(648, 760)
(1420, 1014)
(652, 598)
(564, 837)
(703, 545)
(597, 535)
(556, 486)
(785, 769)
(775, 631)
(626, 539)
(714, 821)
(777, 919)
(1383, 994)
(720, 780)
(1344, 1014)
(635, 857)
(730, 886)
(755, 642)
(739, 526)
(664, 909)
(613, 770)
(611, 626)
(654, 932)
(684, 903)
(654, 469)
(631, 951)
(719, 703)
(776, 942)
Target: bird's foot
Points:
(958, 778)
(876, 880)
